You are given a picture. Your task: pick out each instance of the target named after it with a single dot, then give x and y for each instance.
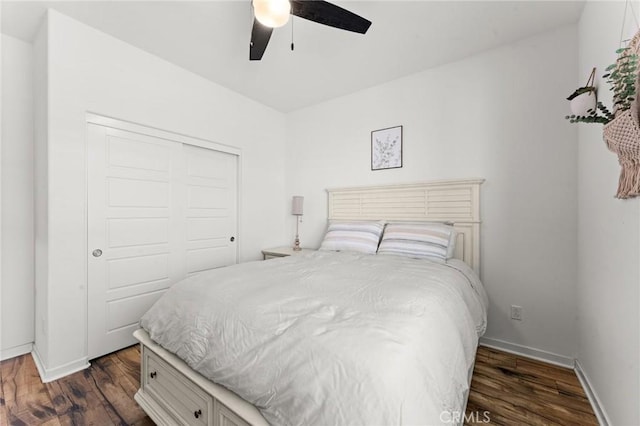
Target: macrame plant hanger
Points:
(622, 134)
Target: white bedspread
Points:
(330, 338)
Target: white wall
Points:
(498, 115)
(17, 279)
(608, 239)
(89, 71)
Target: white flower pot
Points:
(581, 104)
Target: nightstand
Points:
(282, 252)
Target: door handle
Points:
(232, 239)
(97, 253)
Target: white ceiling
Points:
(211, 38)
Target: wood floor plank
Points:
(116, 389)
(54, 421)
(504, 359)
(87, 407)
(26, 398)
(523, 385)
(3, 408)
(509, 388)
(144, 422)
(520, 390)
(539, 369)
(573, 390)
(502, 412)
(61, 402)
(482, 354)
(129, 362)
(509, 379)
(19, 376)
(27, 411)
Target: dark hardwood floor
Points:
(100, 395)
(512, 390)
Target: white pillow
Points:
(429, 240)
(362, 237)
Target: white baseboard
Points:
(15, 351)
(603, 419)
(51, 374)
(529, 352)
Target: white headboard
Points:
(455, 201)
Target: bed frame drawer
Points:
(171, 393)
(186, 402)
(226, 417)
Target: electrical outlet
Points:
(516, 312)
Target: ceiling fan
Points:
(270, 14)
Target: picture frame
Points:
(386, 148)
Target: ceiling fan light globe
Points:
(272, 13)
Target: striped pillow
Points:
(360, 237)
(434, 241)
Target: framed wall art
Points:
(386, 148)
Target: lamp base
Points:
(296, 243)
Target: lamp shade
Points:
(296, 205)
(272, 13)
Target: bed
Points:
(329, 337)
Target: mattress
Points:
(331, 338)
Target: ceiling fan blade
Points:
(260, 36)
(329, 14)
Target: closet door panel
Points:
(211, 209)
(134, 255)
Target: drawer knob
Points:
(153, 374)
(197, 414)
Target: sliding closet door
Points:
(210, 208)
(158, 210)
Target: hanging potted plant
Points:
(621, 127)
(622, 77)
(583, 99)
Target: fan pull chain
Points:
(292, 33)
